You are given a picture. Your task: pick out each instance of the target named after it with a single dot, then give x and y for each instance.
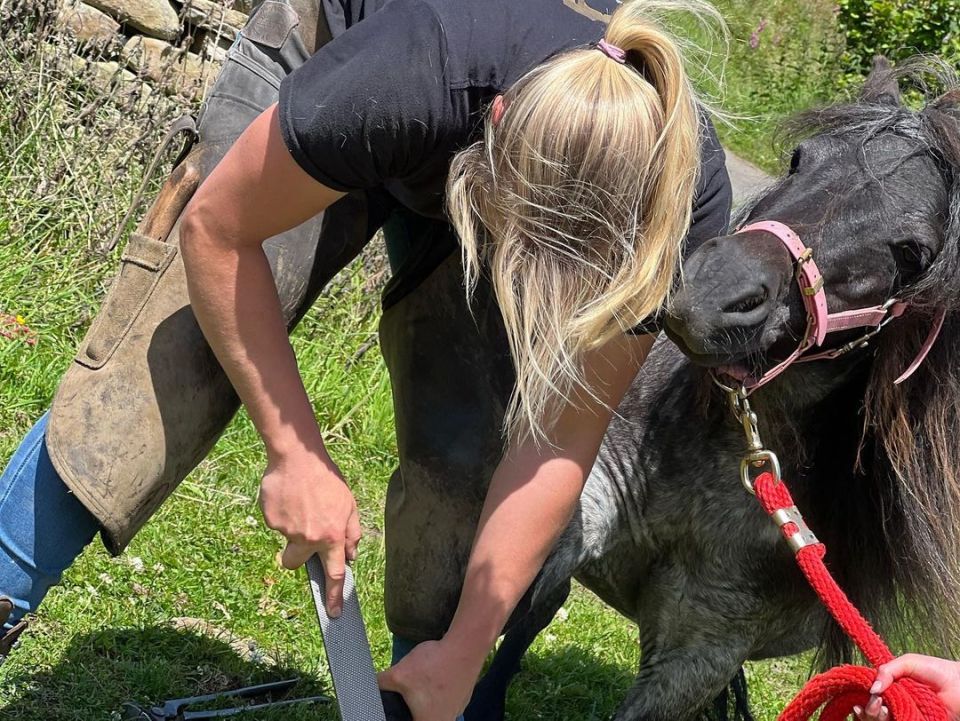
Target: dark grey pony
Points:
(666, 534)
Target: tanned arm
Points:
(532, 496)
(256, 192)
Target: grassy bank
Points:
(783, 57)
(70, 162)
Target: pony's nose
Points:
(716, 316)
(729, 293)
(747, 306)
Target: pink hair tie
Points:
(498, 109)
(612, 51)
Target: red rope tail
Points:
(837, 691)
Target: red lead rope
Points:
(837, 691)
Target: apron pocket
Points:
(271, 24)
(143, 263)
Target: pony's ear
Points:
(949, 101)
(881, 87)
(943, 118)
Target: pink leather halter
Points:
(820, 322)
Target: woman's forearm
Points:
(532, 495)
(235, 300)
(531, 499)
(302, 495)
(254, 193)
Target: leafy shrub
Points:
(898, 29)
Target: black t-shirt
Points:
(391, 98)
(404, 85)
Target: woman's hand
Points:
(304, 497)
(874, 711)
(940, 675)
(435, 679)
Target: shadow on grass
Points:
(101, 670)
(567, 683)
(571, 683)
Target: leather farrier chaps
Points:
(145, 400)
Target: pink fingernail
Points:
(876, 688)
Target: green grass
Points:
(105, 634)
(793, 66)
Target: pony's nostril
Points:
(747, 304)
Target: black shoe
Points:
(8, 639)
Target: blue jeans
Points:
(43, 527)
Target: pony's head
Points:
(869, 190)
(873, 189)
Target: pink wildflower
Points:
(755, 35)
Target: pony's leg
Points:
(698, 624)
(688, 681)
(490, 696)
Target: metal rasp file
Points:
(347, 648)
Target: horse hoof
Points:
(394, 707)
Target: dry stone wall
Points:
(174, 46)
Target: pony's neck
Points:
(808, 404)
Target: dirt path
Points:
(747, 179)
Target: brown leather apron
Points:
(144, 399)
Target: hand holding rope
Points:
(835, 693)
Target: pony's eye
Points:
(912, 256)
(795, 161)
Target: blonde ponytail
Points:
(577, 201)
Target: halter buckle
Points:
(813, 289)
(864, 340)
(805, 257)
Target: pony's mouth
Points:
(727, 362)
(736, 364)
(737, 371)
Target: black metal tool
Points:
(394, 707)
(176, 709)
(351, 665)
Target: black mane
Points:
(935, 127)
